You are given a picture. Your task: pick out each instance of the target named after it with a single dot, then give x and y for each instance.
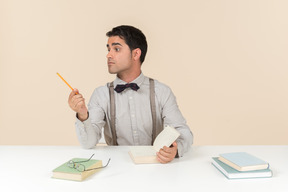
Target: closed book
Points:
(147, 154)
(70, 173)
(242, 161)
(231, 173)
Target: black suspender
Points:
(113, 111)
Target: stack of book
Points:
(241, 165)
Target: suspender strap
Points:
(113, 111)
(153, 108)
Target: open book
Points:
(147, 154)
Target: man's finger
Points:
(163, 159)
(79, 102)
(74, 92)
(166, 150)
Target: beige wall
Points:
(226, 62)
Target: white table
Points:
(29, 168)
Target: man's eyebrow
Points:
(114, 44)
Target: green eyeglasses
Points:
(80, 167)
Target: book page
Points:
(142, 151)
(166, 137)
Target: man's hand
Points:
(167, 154)
(77, 103)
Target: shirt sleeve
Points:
(89, 131)
(172, 116)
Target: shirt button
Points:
(130, 98)
(133, 115)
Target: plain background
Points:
(226, 62)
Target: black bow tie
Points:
(120, 88)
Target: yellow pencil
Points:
(65, 82)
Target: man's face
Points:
(119, 57)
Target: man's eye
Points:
(117, 49)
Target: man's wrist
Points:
(82, 117)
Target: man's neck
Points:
(129, 77)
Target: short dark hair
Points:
(132, 36)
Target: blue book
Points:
(242, 161)
(231, 173)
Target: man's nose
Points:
(109, 55)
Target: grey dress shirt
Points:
(133, 116)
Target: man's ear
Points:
(136, 53)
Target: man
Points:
(133, 108)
